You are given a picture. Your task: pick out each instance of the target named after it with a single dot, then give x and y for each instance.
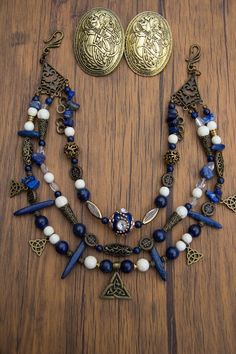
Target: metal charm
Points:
(42, 126)
(167, 180)
(60, 127)
(90, 240)
(68, 213)
(99, 42)
(31, 196)
(230, 202)
(148, 43)
(171, 157)
(208, 209)
(71, 150)
(76, 172)
(16, 188)
(27, 150)
(219, 163)
(94, 210)
(151, 214)
(52, 82)
(38, 246)
(172, 221)
(115, 289)
(206, 144)
(118, 250)
(146, 243)
(193, 256)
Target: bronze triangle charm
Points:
(115, 289)
(16, 188)
(38, 246)
(188, 95)
(193, 256)
(52, 82)
(230, 202)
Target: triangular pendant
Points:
(188, 95)
(16, 188)
(52, 82)
(38, 246)
(115, 289)
(230, 202)
(193, 256)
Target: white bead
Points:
(180, 245)
(53, 239)
(43, 113)
(69, 131)
(143, 265)
(182, 211)
(203, 131)
(48, 230)
(90, 262)
(197, 192)
(164, 191)
(29, 126)
(61, 201)
(216, 139)
(79, 184)
(48, 177)
(187, 238)
(172, 139)
(32, 112)
(212, 125)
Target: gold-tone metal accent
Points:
(172, 221)
(208, 208)
(151, 214)
(115, 289)
(116, 265)
(16, 188)
(167, 179)
(31, 196)
(38, 246)
(206, 144)
(94, 210)
(194, 57)
(171, 157)
(193, 256)
(53, 42)
(148, 43)
(99, 42)
(30, 118)
(52, 82)
(27, 150)
(71, 150)
(60, 127)
(146, 243)
(230, 202)
(90, 240)
(76, 172)
(42, 127)
(68, 213)
(188, 95)
(213, 132)
(117, 250)
(219, 163)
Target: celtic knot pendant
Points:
(115, 289)
(38, 246)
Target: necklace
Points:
(53, 85)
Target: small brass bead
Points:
(30, 118)
(116, 265)
(213, 132)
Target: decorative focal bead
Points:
(143, 265)
(71, 150)
(54, 239)
(197, 193)
(83, 194)
(43, 114)
(48, 231)
(165, 191)
(172, 253)
(76, 173)
(187, 238)
(79, 184)
(90, 262)
(48, 177)
(194, 230)
(206, 172)
(126, 266)
(167, 180)
(41, 222)
(182, 211)
(122, 222)
(180, 245)
(159, 235)
(106, 266)
(161, 201)
(61, 201)
(171, 157)
(79, 230)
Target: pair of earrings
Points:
(100, 42)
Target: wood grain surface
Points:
(122, 134)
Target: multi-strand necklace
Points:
(54, 85)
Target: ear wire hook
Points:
(194, 57)
(54, 42)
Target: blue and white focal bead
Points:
(122, 222)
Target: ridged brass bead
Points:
(116, 265)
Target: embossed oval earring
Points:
(148, 43)
(99, 42)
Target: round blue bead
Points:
(188, 206)
(161, 201)
(106, 266)
(159, 235)
(194, 230)
(35, 98)
(206, 111)
(126, 266)
(194, 115)
(48, 100)
(57, 194)
(41, 222)
(83, 194)
(62, 247)
(172, 252)
(74, 161)
(136, 250)
(171, 105)
(210, 158)
(79, 230)
(28, 168)
(170, 168)
(105, 220)
(99, 248)
(220, 180)
(42, 142)
(70, 139)
(172, 146)
(138, 224)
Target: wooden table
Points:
(122, 134)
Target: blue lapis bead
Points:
(73, 105)
(57, 194)
(208, 118)
(41, 222)
(104, 220)
(194, 230)
(28, 168)
(42, 142)
(218, 191)
(83, 194)
(34, 207)
(63, 249)
(210, 158)
(159, 235)
(194, 114)
(68, 122)
(208, 221)
(31, 182)
(159, 265)
(206, 172)
(67, 89)
(106, 266)
(172, 114)
(70, 139)
(188, 206)
(171, 105)
(173, 130)
(206, 111)
(70, 94)
(35, 98)
(212, 196)
(172, 146)
(35, 104)
(173, 123)
(79, 230)
(221, 180)
(29, 133)
(49, 100)
(172, 253)
(218, 147)
(38, 158)
(138, 224)
(68, 113)
(161, 201)
(126, 266)
(74, 161)
(99, 248)
(136, 250)
(170, 168)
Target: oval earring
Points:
(148, 43)
(99, 42)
